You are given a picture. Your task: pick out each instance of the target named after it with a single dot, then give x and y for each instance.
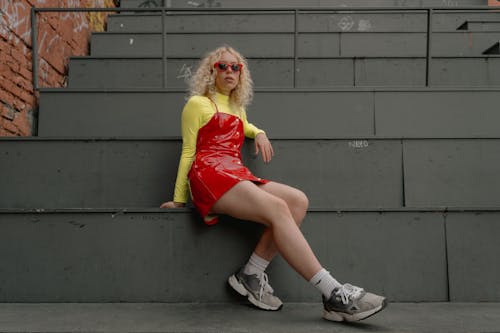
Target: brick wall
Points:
(60, 35)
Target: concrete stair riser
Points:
(278, 73)
(352, 113)
(173, 257)
(297, 3)
(326, 21)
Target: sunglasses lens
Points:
(235, 67)
(222, 66)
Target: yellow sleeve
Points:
(250, 130)
(196, 113)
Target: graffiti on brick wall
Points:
(60, 35)
(13, 17)
(190, 3)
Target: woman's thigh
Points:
(296, 199)
(247, 201)
(285, 192)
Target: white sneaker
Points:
(257, 289)
(351, 303)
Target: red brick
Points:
(6, 97)
(7, 112)
(28, 75)
(13, 66)
(9, 126)
(25, 96)
(22, 123)
(4, 69)
(17, 54)
(23, 83)
(12, 88)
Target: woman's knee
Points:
(279, 210)
(299, 204)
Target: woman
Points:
(214, 124)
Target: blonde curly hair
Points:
(202, 83)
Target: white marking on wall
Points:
(358, 144)
(346, 23)
(185, 72)
(364, 25)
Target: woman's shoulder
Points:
(198, 100)
(198, 105)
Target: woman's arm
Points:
(194, 115)
(262, 143)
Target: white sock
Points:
(324, 282)
(255, 265)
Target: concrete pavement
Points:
(212, 318)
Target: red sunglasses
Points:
(222, 66)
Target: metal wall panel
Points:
(204, 22)
(149, 45)
(321, 114)
(389, 72)
(451, 21)
(382, 44)
(142, 73)
(290, 114)
(337, 173)
(362, 22)
(88, 173)
(462, 43)
(452, 173)
(437, 114)
(297, 3)
(87, 72)
(141, 173)
(317, 45)
(118, 113)
(116, 73)
(333, 114)
(399, 254)
(138, 257)
(483, 26)
(473, 248)
(325, 72)
(481, 71)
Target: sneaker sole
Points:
(340, 316)
(240, 289)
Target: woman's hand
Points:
(263, 145)
(172, 204)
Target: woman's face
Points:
(226, 80)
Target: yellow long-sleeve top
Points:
(197, 113)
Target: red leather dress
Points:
(217, 165)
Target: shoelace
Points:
(348, 291)
(264, 285)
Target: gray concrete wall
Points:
(92, 256)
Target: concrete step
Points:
(341, 173)
(171, 256)
(94, 72)
(100, 173)
(270, 22)
(350, 112)
(480, 25)
(307, 21)
(297, 3)
(441, 317)
(282, 45)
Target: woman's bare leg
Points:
(297, 203)
(247, 201)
